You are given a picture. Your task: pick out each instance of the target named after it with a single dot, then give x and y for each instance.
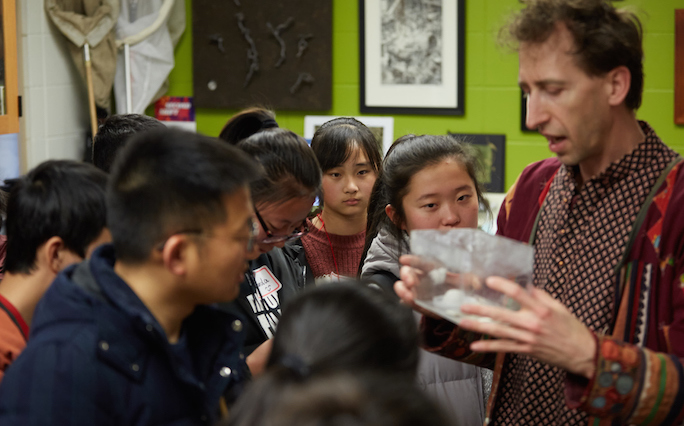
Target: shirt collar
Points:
(640, 157)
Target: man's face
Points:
(567, 106)
(221, 256)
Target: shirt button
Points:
(225, 372)
(237, 326)
(135, 367)
(565, 199)
(561, 263)
(149, 327)
(104, 345)
(203, 418)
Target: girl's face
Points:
(347, 187)
(281, 219)
(441, 196)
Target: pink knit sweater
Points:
(319, 252)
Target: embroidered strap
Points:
(644, 211)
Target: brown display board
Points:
(275, 53)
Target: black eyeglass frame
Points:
(253, 234)
(271, 238)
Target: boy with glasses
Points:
(130, 336)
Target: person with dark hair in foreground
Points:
(56, 216)
(115, 133)
(599, 338)
(285, 396)
(347, 326)
(346, 354)
(129, 336)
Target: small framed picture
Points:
(491, 150)
(412, 56)
(382, 128)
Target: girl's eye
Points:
(464, 197)
(334, 174)
(364, 172)
(430, 206)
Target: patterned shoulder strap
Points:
(643, 211)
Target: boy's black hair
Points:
(57, 198)
(115, 132)
(167, 181)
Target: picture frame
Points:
(491, 150)
(382, 128)
(412, 65)
(276, 53)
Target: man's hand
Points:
(410, 275)
(543, 328)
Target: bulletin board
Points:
(275, 53)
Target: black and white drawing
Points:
(412, 56)
(411, 41)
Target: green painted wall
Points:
(491, 93)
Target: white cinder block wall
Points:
(55, 102)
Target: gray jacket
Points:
(460, 389)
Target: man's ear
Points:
(176, 254)
(55, 255)
(391, 212)
(618, 83)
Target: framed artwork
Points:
(679, 66)
(382, 128)
(491, 150)
(276, 53)
(411, 56)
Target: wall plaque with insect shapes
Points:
(276, 53)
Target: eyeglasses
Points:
(271, 239)
(253, 233)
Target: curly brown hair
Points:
(605, 37)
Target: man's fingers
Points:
(500, 346)
(521, 295)
(409, 276)
(499, 330)
(404, 293)
(417, 262)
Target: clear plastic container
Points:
(456, 263)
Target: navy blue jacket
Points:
(97, 356)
